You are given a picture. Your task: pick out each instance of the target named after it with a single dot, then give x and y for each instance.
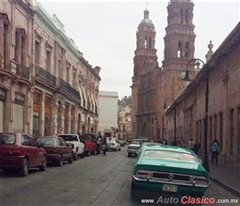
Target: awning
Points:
(96, 101)
(93, 102)
(81, 95)
(84, 96)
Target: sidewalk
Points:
(227, 176)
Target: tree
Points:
(125, 101)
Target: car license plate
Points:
(169, 188)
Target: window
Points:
(19, 99)
(181, 15)
(179, 52)
(187, 49)
(48, 63)
(231, 130)
(221, 130)
(20, 50)
(5, 43)
(37, 53)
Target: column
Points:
(42, 115)
(1, 41)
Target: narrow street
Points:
(95, 180)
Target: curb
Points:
(225, 186)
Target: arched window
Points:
(179, 52)
(187, 49)
(181, 16)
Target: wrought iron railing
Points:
(23, 72)
(68, 88)
(46, 76)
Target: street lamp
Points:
(175, 119)
(206, 76)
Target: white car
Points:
(77, 145)
(113, 144)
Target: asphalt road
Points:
(96, 180)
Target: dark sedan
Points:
(21, 151)
(57, 149)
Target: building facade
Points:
(108, 114)
(124, 123)
(224, 102)
(47, 86)
(152, 85)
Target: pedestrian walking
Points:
(190, 144)
(99, 143)
(196, 147)
(215, 151)
(104, 145)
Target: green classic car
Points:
(168, 169)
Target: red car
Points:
(21, 151)
(90, 146)
(57, 149)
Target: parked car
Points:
(168, 169)
(113, 144)
(90, 146)
(133, 148)
(93, 136)
(57, 149)
(77, 145)
(22, 152)
(122, 143)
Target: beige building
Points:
(124, 123)
(46, 85)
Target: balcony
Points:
(46, 76)
(67, 88)
(23, 72)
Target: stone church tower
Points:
(144, 79)
(153, 86)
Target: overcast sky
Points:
(105, 32)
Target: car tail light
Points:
(200, 180)
(143, 174)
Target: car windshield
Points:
(85, 138)
(69, 138)
(137, 141)
(7, 138)
(47, 141)
(169, 155)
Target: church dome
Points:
(146, 21)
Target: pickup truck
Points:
(90, 146)
(78, 147)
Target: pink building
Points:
(224, 102)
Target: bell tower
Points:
(143, 80)
(179, 45)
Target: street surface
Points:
(93, 181)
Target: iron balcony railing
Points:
(46, 76)
(23, 72)
(68, 88)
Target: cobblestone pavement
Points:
(96, 180)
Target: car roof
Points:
(157, 146)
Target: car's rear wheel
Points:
(25, 168)
(70, 159)
(44, 164)
(82, 155)
(60, 162)
(88, 152)
(75, 156)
